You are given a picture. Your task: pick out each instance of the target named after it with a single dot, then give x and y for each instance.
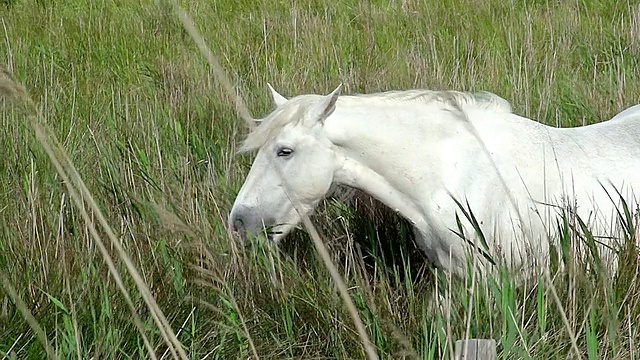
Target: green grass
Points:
(153, 135)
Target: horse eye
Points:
(284, 152)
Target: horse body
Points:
(417, 151)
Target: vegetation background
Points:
(152, 134)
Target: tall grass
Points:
(153, 136)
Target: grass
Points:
(153, 136)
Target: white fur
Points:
(417, 150)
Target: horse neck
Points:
(388, 150)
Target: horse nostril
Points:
(238, 225)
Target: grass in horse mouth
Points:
(270, 233)
(269, 230)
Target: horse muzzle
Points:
(247, 222)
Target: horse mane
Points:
(483, 99)
(292, 113)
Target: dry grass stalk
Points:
(317, 241)
(10, 88)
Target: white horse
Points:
(429, 155)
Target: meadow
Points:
(152, 134)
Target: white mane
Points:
(483, 99)
(292, 112)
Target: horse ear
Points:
(328, 104)
(277, 98)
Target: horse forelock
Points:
(291, 113)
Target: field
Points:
(153, 135)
